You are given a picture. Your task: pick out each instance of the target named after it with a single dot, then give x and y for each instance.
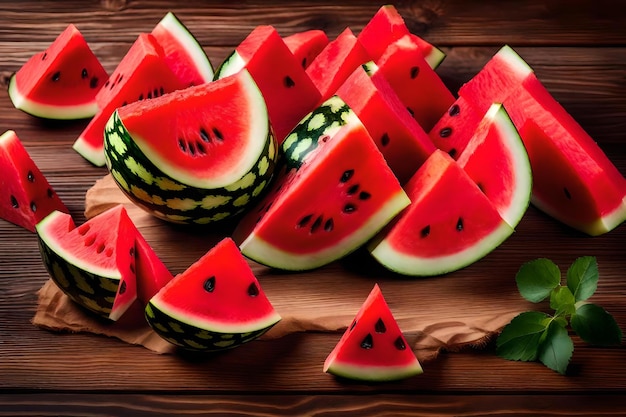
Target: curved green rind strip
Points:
(322, 122)
(231, 65)
(166, 198)
(364, 372)
(91, 291)
(209, 338)
(414, 265)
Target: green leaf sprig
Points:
(535, 335)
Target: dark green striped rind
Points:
(191, 337)
(321, 123)
(93, 292)
(168, 199)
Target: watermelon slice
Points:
(160, 62)
(288, 91)
(373, 347)
(402, 141)
(419, 87)
(336, 62)
(306, 45)
(27, 197)
(438, 234)
(196, 155)
(60, 82)
(386, 27)
(341, 195)
(216, 304)
(94, 263)
(151, 272)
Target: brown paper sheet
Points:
(325, 300)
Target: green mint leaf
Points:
(556, 350)
(520, 339)
(582, 277)
(562, 301)
(596, 326)
(537, 278)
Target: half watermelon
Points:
(60, 82)
(216, 304)
(373, 347)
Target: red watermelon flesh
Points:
(336, 62)
(287, 89)
(386, 27)
(183, 54)
(419, 87)
(151, 272)
(219, 292)
(343, 193)
(306, 45)
(449, 224)
(575, 181)
(399, 137)
(103, 246)
(27, 197)
(455, 128)
(60, 82)
(373, 347)
(496, 159)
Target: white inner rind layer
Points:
(50, 111)
(373, 373)
(255, 247)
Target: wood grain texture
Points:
(577, 48)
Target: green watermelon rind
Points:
(179, 31)
(231, 65)
(202, 335)
(45, 111)
(412, 265)
(157, 193)
(257, 249)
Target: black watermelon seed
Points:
(56, 76)
(384, 139)
(131, 251)
(200, 148)
(380, 327)
(253, 290)
(182, 145)
(352, 325)
(289, 83)
(93, 83)
(399, 343)
(140, 96)
(149, 94)
(155, 92)
(367, 342)
(161, 91)
(329, 225)
(30, 177)
(304, 62)
(445, 132)
(33, 206)
(50, 193)
(106, 84)
(204, 135)
(84, 74)
(132, 268)
(411, 111)
(459, 224)
(14, 202)
(218, 134)
(567, 193)
(364, 195)
(454, 110)
(452, 153)
(414, 72)
(353, 189)
(349, 208)
(192, 149)
(481, 187)
(425, 232)
(209, 284)
(124, 104)
(317, 223)
(122, 287)
(305, 220)
(345, 177)
(44, 56)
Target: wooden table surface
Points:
(577, 48)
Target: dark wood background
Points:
(577, 48)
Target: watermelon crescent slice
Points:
(373, 347)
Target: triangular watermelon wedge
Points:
(373, 347)
(306, 45)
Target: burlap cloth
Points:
(431, 323)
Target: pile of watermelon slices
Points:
(349, 143)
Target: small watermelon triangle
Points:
(373, 347)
